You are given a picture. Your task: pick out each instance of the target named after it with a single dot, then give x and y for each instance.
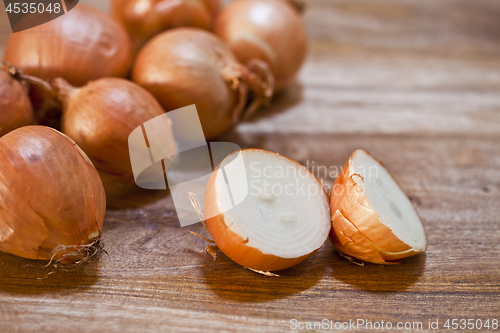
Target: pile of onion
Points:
(100, 117)
(187, 66)
(52, 201)
(284, 218)
(269, 30)
(84, 44)
(81, 45)
(144, 19)
(372, 219)
(15, 106)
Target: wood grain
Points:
(416, 84)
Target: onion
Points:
(284, 219)
(15, 106)
(81, 45)
(270, 30)
(144, 19)
(188, 66)
(372, 219)
(52, 202)
(100, 117)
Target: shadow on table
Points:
(23, 276)
(129, 196)
(283, 100)
(380, 278)
(232, 281)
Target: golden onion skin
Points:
(15, 106)
(144, 19)
(189, 66)
(269, 30)
(84, 44)
(51, 197)
(100, 116)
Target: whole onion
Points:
(81, 45)
(270, 30)
(100, 117)
(52, 201)
(144, 19)
(15, 106)
(187, 66)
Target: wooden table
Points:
(417, 83)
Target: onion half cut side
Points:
(372, 218)
(283, 219)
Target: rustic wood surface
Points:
(417, 83)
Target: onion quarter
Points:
(372, 218)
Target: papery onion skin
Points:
(188, 66)
(100, 117)
(51, 195)
(269, 30)
(15, 106)
(350, 209)
(144, 19)
(81, 45)
(233, 245)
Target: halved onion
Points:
(282, 221)
(372, 219)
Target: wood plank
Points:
(361, 93)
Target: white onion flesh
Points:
(285, 214)
(372, 218)
(388, 200)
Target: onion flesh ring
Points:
(284, 219)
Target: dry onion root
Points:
(100, 117)
(144, 19)
(52, 201)
(372, 219)
(188, 66)
(284, 219)
(269, 30)
(15, 106)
